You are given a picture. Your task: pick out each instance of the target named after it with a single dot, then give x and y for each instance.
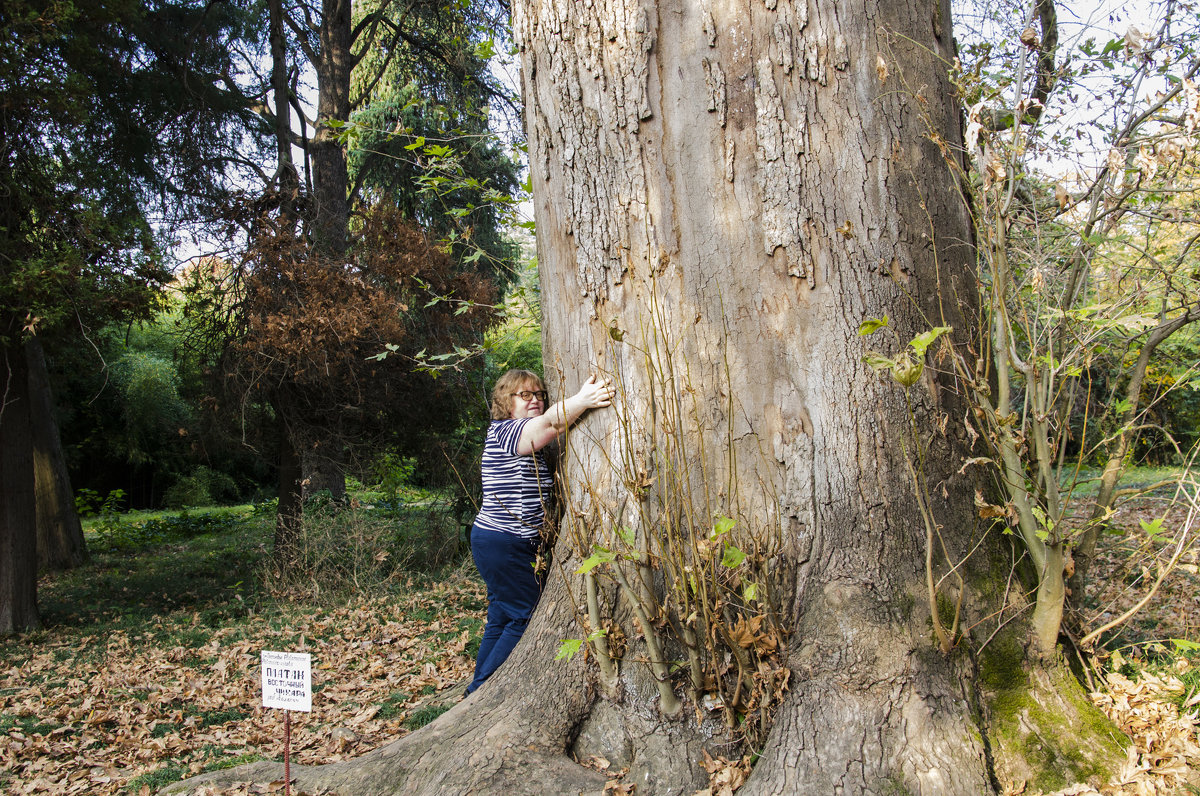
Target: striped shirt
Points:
(516, 488)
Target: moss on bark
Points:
(1040, 724)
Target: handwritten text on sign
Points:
(287, 680)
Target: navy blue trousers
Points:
(506, 563)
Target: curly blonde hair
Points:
(506, 385)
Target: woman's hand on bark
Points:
(596, 394)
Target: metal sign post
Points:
(287, 753)
(287, 686)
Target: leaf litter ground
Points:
(108, 709)
(119, 711)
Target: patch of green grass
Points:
(137, 517)
(393, 706)
(190, 636)
(1191, 685)
(126, 590)
(26, 725)
(209, 718)
(62, 654)
(424, 716)
(215, 758)
(159, 778)
(162, 729)
(231, 762)
(117, 534)
(423, 614)
(1134, 477)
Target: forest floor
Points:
(148, 668)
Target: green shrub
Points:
(114, 534)
(89, 504)
(204, 487)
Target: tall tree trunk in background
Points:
(286, 176)
(60, 542)
(290, 513)
(302, 470)
(323, 464)
(724, 192)
(18, 532)
(330, 178)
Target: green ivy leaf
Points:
(1152, 528)
(872, 325)
(732, 557)
(568, 649)
(601, 556)
(721, 527)
(878, 362)
(922, 341)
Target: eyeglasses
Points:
(529, 395)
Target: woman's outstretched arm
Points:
(540, 431)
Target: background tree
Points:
(145, 424)
(429, 136)
(60, 542)
(96, 125)
(333, 46)
(311, 330)
(1085, 267)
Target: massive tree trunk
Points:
(60, 542)
(735, 189)
(18, 533)
(724, 192)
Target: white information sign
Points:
(287, 680)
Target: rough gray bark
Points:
(757, 179)
(723, 194)
(60, 542)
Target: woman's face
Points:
(532, 406)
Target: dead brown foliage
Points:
(119, 707)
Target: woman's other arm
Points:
(540, 431)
